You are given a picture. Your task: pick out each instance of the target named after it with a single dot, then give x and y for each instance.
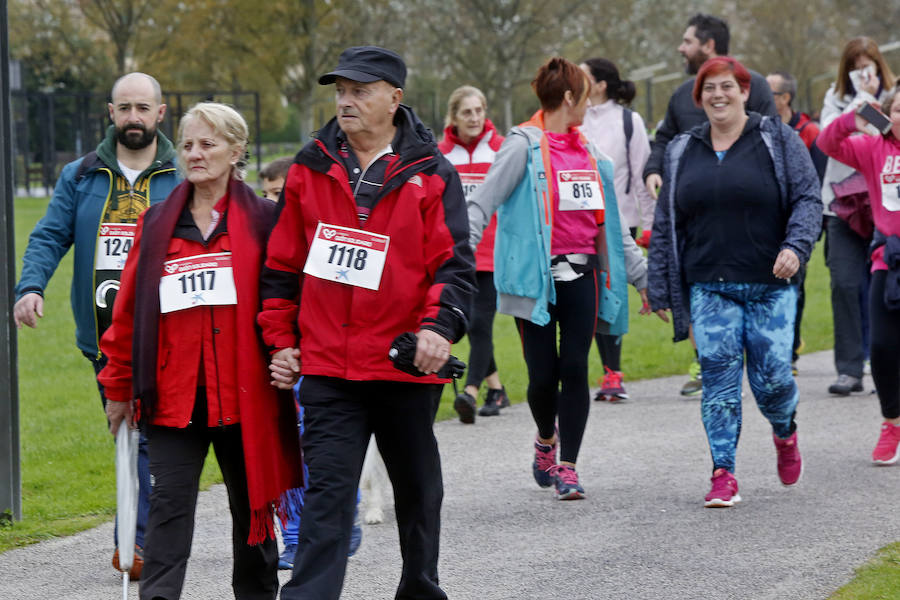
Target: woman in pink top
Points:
(877, 157)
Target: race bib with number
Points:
(579, 190)
(890, 191)
(203, 280)
(348, 256)
(470, 182)
(113, 245)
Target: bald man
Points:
(95, 207)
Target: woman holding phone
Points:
(863, 76)
(877, 157)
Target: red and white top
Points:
(472, 161)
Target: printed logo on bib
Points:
(890, 191)
(579, 189)
(470, 182)
(203, 280)
(348, 256)
(113, 245)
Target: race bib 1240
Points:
(113, 245)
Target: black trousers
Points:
(558, 378)
(176, 461)
(885, 348)
(339, 418)
(481, 330)
(846, 255)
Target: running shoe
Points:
(544, 462)
(494, 400)
(845, 385)
(790, 464)
(286, 560)
(567, 486)
(694, 385)
(611, 388)
(464, 405)
(724, 490)
(887, 450)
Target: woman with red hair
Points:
(738, 213)
(553, 268)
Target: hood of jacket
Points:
(412, 143)
(106, 152)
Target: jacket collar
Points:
(412, 143)
(450, 134)
(702, 132)
(106, 152)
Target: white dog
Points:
(375, 485)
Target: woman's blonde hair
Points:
(456, 98)
(224, 121)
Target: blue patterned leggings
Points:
(731, 319)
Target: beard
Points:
(693, 63)
(134, 140)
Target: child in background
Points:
(291, 528)
(272, 177)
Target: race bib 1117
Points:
(202, 280)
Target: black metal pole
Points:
(10, 469)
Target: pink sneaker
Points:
(790, 465)
(724, 490)
(887, 450)
(611, 388)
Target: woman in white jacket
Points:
(863, 76)
(620, 134)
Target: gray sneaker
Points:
(845, 384)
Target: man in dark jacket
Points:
(371, 241)
(95, 207)
(706, 36)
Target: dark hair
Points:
(708, 27)
(716, 66)
(854, 49)
(788, 84)
(557, 76)
(277, 169)
(603, 69)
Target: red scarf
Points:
(268, 417)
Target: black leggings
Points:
(885, 350)
(558, 380)
(610, 348)
(481, 330)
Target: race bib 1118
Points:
(349, 256)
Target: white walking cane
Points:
(126, 498)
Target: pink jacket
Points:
(877, 157)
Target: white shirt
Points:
(603, 126)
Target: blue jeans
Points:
(731, 320)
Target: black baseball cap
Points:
(366, 64)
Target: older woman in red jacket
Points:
(184, 350)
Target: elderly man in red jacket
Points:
(371, 242)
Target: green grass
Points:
(67, 454)
(878, 579)
(68, 475)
